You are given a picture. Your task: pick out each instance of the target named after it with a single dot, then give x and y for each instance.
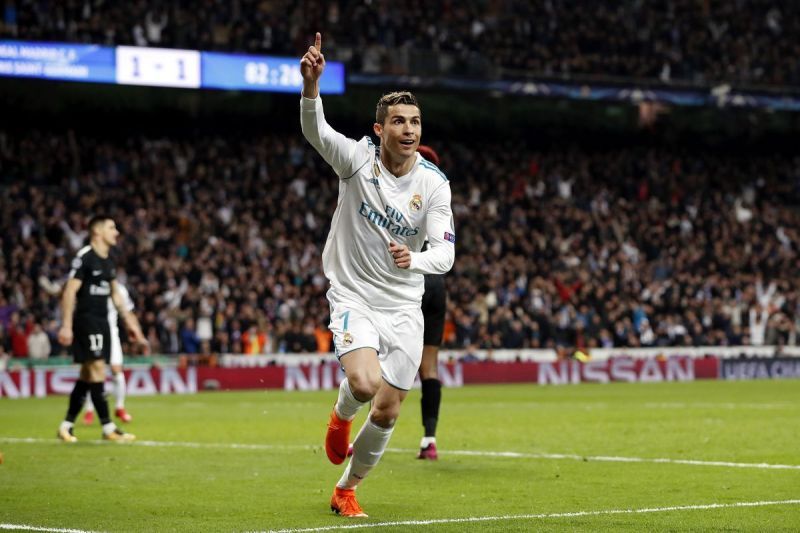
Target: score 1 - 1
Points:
(158, 67)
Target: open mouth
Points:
(407, 142)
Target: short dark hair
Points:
(395, 98)
(96, 221)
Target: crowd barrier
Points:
(316, 372)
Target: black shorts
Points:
(434, 305)
(91, 339)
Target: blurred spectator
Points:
(324, 338)
(747, 41)
(19, 330)
(645, 250)
(170, 339)
(254, 341)
(190, 342)
(38, 344)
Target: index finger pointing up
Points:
(318, 42)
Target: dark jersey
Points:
(92, 334)
(96, 275)
(434, 307)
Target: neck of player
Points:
(100, 248)
(397, 166)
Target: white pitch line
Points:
(25, 527)
(613, 459)
(470, 453)
(539, 516)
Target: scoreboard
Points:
(160, 67)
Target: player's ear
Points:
(377, 128)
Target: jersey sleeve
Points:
(338, 151)
(79, 269)
(439, 256)
(126, 296)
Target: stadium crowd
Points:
(222, 236)
(743, 41)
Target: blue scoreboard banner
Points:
(261, 73)
(160, 67)
(56, 61)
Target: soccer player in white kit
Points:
(120, 385)
(390, 201)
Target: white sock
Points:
(109, 428)
(66, 426)
(426, 441)
(88, 406)
(120, 388)
(368, 449)
(347, 405)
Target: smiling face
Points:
(400, 132)
(398, 123)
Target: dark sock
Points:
(76, 399)
(99, 401)
(431, 398)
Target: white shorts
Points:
(116, 347)
(396, 335)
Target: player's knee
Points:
(428, 370)
(385, 416)
(364, 385)
(94, 371)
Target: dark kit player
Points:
(434, 306)
(85, 325)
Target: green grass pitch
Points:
(253, 461)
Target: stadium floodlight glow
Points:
(160, 67)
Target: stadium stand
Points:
(624, 246)
(222, 239)
(748, 42)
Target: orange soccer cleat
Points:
(337, 439)
(344, 503)
(88, 418)
(123, 415)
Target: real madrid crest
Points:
(416, 203)
(347, 338)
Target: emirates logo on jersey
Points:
(416, 203)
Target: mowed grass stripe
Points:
(253, 461)
(575, 514)
(26, 527)
(468, 453)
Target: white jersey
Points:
(113, 315)
(375, 208)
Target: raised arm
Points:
(311, 66)
(337, 150)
